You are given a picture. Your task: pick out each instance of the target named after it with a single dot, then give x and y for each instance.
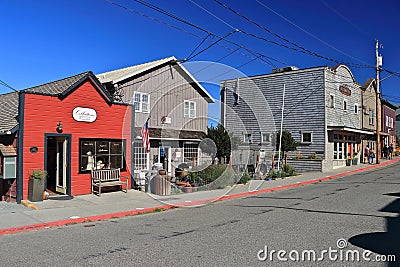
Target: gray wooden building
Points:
(322, 110)
(173, 102)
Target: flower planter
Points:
(187, 189)
(35, 189)
(348, 162)
(355, 161)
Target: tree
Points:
(219, 143)
(288, 143)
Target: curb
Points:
(29, 205)
(184, 204)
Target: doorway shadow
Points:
(384, 243)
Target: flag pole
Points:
(280, 135)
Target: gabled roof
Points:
(368, 83)
(388, 104)
(60, 88)
(57, 87)
(116, 76)
(119, 75)
(8, 111)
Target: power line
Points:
(8, 86)
(303, 30)
(171, 15)
(197, 36)
(260, 56)
(298, 49)
(208, 47)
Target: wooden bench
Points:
(109, 177)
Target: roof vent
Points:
(285, 69)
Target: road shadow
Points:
(384, 243)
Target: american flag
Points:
(145, 136)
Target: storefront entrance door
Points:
(57, 163)
(165, 158)
(61, 165)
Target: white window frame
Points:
(331, 100)
(189, 112)
(142, 158)
(189, 150)
(268, 138)
(139, 105)
(249, 139)
(345, 105)
(302, 135)
(371, 117)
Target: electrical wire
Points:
(298, 49)
(8, 86)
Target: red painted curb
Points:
(194, 203)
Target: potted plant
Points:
(36, 185)
(355, 159)
(348, 160)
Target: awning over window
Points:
(347, 129)
(7, 151)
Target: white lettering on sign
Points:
(84, 114)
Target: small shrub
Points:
(38, 174)
(289, 170)
(213, 177)
(273, 174)
(245, 178)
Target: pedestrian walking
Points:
(391, 148)
(366, 154)
(385, 151)
(371, 156)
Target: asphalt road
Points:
(360, 211)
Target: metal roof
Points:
(119, 75)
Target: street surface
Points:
(338, 220)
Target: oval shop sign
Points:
(84, 114)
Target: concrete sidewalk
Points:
(63, 210)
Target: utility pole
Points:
(280, 135)
(378, 100)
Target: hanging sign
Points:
(84, 114)
(345, 90)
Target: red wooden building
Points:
(67, 128)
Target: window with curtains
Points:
(97, 154)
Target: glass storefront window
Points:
(101, 154)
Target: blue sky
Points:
(46, 40)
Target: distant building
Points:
(322, 110)
(398, 121)
(369, 116)
(388, 133)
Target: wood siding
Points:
(168, 89)
(42, 113)
(260, 102)
(337, 116)
(368, 103)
